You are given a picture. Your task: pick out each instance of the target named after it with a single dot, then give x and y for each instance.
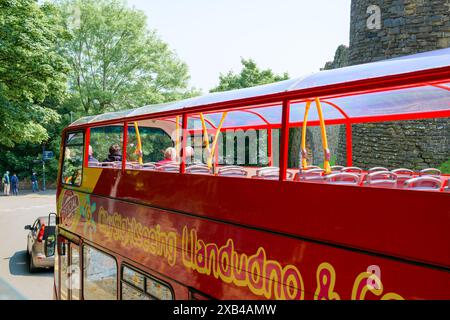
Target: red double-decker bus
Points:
(223, 196)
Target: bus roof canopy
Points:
(426, 98)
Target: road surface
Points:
(15, 213)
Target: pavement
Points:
(15, 213)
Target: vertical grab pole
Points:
(139, 143)
(269, 146)
(184, 126)
(349, 143)
(216, 137)
(284, 139)
(86, 150)
(326, 162)
(177, 135)
(304, 152)
(124, 146)
(205, 132)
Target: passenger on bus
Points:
(190, 157)
(91, 157)
(170, 155)
(189, 152)
(114, 153)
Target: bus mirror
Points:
(49, 247)
(55, 221)
(61, 247)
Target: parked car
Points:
(41, 243)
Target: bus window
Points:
(152, 144)
(133, 285)
(240, 142)
(99, 275)
(63, 251)
(137, 286)
(75, 276)
(73, 159)
(157, 289)
(105, 147)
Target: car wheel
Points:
(31, 266)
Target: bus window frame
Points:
(103, 251)
(197, 295)
(66, 134)
(145, 275)
(285, 123)
(71, 245)
(125, 144)
(71, 239)
(87, 143)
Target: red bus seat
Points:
(382, 179)
(198, 169)
(403, 175)
(425, 183)
(430, 172)
(232, 171)
(114, 164)
(148, 166)
(169, 167)
(94, 164)
(335, 169)
(376, 169)
(346, 178)
(271, 173)
(354, 170)
(315, 174)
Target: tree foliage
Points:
(32, 73)
(64, 59)
(116, 62)
(249, 76)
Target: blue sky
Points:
(296, 36)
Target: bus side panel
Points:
(404, 223)
(228, 261)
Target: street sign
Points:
(47, 155)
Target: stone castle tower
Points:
(382, 29)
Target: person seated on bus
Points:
(91, 157)
(189, 152)
(170, 156)
(190, 157)
(114, 154)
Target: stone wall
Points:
(415, 144)
(382, 29)
(406, 27)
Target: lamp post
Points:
(43, 168)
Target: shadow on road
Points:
(18, 266)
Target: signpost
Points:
(46, 155)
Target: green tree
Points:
(32, 74)
(116, 62)
(249, 76)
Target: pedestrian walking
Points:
(34, 182)
(15, 185)
(6, 183)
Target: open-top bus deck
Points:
(278, 228)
